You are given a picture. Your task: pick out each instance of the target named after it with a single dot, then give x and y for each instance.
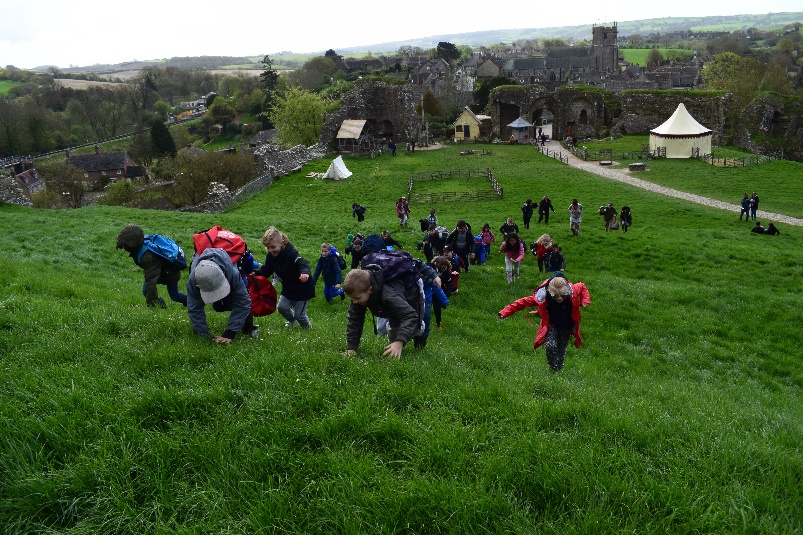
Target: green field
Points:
(5, 85)
(680, 413)
(638, 56)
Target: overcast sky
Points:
(88, 32)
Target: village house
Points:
(471, 126)
(30, 181)
(102, 168)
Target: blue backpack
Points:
(166, 249)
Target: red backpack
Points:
(224, 239)
(262, 294)
(260, 289)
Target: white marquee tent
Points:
(681, 136)
(337, 170)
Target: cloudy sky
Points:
(88, 32)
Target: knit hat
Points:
(211, 281)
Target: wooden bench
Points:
(637, 166)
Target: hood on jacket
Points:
(373, 243)
(131, 238)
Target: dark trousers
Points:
(557, 340)
(225, 305)
(544, 215)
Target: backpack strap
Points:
(140, 253)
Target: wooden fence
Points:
(754, 159)
(496, 191)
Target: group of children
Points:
(403, 292)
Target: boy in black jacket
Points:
(403, 305)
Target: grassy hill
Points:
(680, 413)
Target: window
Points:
(103, 173)
(119, 171)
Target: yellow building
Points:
(469, 125)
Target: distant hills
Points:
(728, 23)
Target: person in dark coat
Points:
(527, 212)
(461, 240)
(402, 305)
(754, 205)
(745, 208)
(544, 206)
(215, 280)
(294, 271)
(356, 252)
(771, 230)
(758, 229)
(157, 270)
(508, 227)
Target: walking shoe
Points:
(290, 324)
(254, 333)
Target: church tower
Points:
(605, 48)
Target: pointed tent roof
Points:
(520, 123)
(337, 170)
(681, 124)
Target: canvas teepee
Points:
(681, 136)
(337, 170)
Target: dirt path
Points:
(623, 175)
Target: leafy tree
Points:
(447, 51)
(334, 56)
(721, 45)
(65, 181)
(775, 79)
(298, 116)
(194, 174)
(118, 194)
(221, 112)
(654, 58)
(432, 106)
(161, 139)
(270, 80)
(483, 93)
(553, 42)
(315, 73)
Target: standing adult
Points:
(403, 211)
(575, 217)
(527, 212)
(608, 214)
(544, 206)
(745, 204)
(754, 205)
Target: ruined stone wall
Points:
(772, 125)
(507, 103)
(383, 105)
(644, 110)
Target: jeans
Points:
(294, 311)
(172, 291)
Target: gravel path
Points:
(623, 175)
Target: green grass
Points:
(638, 56)
(5, 85)
(680, 414)
(779, 184)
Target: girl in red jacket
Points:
(558, 303)
(513, 248)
